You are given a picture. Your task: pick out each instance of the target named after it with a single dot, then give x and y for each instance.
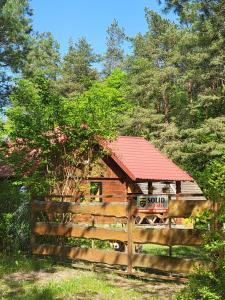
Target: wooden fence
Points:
(131, 234)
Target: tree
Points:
(43, 58)
(114, 56)
(207, 282)
(15, 24)
(52, 138)
(154, 68)
(205, 56)
(203, 135)
(77, 71)
(155, 90)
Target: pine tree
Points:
(43, 58)
(78, 73)
(154, 68)
(114, 56)
(15, 32)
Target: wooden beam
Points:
(172, 195)
(86, 196)
(80, 231)
(102, 178)
(162, 236)
(151, 276)
(178, 187)
(187, 208)
(167, 236)
(98, 209)
(89, 254)
(150, 187)
(182, 208)
(177, 208)
(163, 263)
(130, 245)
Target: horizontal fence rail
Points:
(130, 235)
(164, 263)
(177, 208)
(98, 209)
(162, 236)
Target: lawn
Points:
(21, 263)
(24, 277)
(177, 251)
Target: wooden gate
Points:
(126, 212)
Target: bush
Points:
(14, 218)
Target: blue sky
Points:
(90, 18)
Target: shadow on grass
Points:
(18, 272)
(22, 263)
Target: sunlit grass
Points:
(86, 286)
(177, 251)
(21, 263)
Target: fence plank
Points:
(98, 209)
(77, 231)
(167, 236)
(177, 208)
(161, 236)
(182, 208)
(89, 254)
(163, 263)
(187, 208)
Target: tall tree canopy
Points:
(77, 72)
(43, 58)
(15, 28)
(114, 56)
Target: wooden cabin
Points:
(134, 166)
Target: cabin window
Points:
(96, 189)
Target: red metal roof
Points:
(142, 161)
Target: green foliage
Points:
(14, 38)
(43, 58)
(77, 72)
(204, 285)
(114, 56)
(214, 178)
(208, 281)
(15, 215)
(52, 137)
(154, 68)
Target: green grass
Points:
(177, 251)
(39, 280)
(85, 286)
(21, 263)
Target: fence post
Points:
(32, 223)
(130, 245)
(170, 226)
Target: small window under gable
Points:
(96, 190)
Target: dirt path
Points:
(152, 289)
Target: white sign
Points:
(153, 203)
